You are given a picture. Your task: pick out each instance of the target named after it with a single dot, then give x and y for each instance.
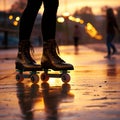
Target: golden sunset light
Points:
(71, 5)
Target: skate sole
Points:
(32, 73)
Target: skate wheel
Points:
(65, 78)
(44, 77)
(34, 78)
(19, 77)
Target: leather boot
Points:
(55, 50)
(50, 59)
(24, 59)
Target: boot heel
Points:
(19, 66)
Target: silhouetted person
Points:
(111, 25)
(50, 58)
(76, 37)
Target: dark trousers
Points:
(110, 45)
(76, 39)
(48, 19)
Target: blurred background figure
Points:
(76, 38)
(110, 28)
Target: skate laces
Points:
(31, 51)
(57, 48)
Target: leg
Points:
(24, 58)
(50, 59)
(49, 19)
(114, 48)
(76, 44)
(108, 44)
(28, 18)
(109, 48)
(112, 45)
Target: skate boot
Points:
(24, 59)
(55, 50)
(50, 59)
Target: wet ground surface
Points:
(92, 94)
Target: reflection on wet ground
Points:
(92, 94)
(45, 102)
